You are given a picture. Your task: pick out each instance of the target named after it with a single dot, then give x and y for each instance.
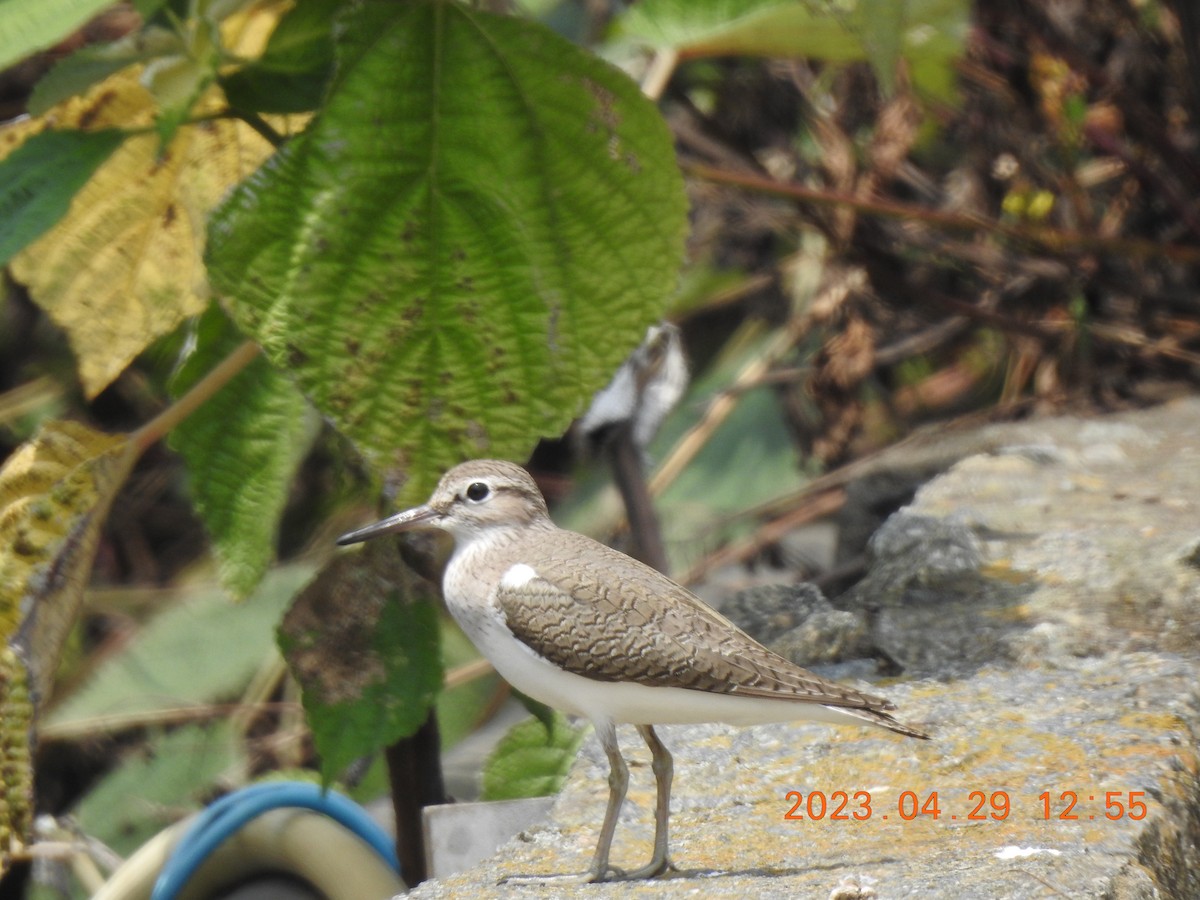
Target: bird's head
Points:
(471, 499)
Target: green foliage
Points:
(532, 760)
(26, 28)
(928, 34)
(242, 450)
(392, 707)
(39, 178)
(437, 259)
(744, 27)
(151, 789)
(883, 24)
(197, 651)
(85, 67)
(362, 640)
(537, 709)
(292, 74)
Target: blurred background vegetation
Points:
(903, 213)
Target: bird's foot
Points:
(610, 873)
(652, 869)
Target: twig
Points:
(813, 508)
(1050, 238)
(260, 125)
(1118, 334)
(106, 725)
(220, 375)
(654, 82)
(466, 673)
(922, 341)
(626, 461)
(720, 407)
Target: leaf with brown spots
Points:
(124, 266)
(16, 746)
(119, 270)
(473, 182)
(55, 492)
(362, 640)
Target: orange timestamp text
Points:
(979, 806)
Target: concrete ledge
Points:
(1086, 683)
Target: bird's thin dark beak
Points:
(417, 517)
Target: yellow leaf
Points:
(125, 266)
(55, 492)
(16, 767)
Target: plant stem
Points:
(259, 124)
(654, 82)
(415, 774)
(1050, 238)
(626, 460)
(220, 375)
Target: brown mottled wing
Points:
(597, 613)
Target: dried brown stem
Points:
(1056, 240)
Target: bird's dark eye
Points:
(477, 492)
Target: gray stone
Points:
(798, 623)
(766, 612)
(825, 638)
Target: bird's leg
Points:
(618, 783)
(664, 769)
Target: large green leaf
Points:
(151, 789)
(465, 244)
(744, 27)
(242, 449)
(929, 34)
(362, 640)
(27, 27)
(39, 178)
(532, 760)
(199, 650)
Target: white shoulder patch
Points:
(518, 576)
